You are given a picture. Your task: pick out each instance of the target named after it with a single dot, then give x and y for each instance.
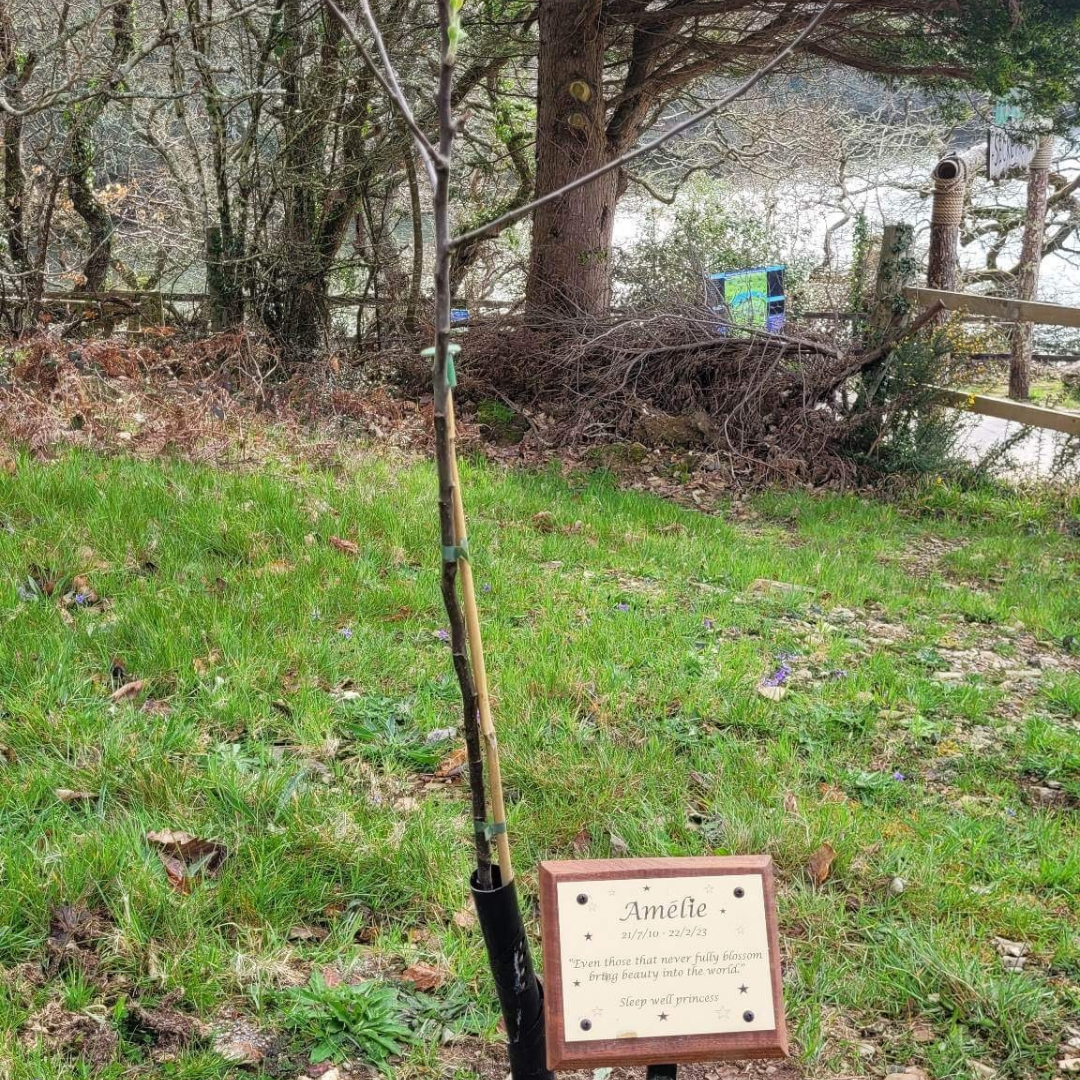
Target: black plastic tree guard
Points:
(661, 1072)
(520, 993)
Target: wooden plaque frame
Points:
(721, 1046)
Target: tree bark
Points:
(1027, 276)
(79, 166)
(416, 213)
(15, 195)
(570, 269)
(96, 217)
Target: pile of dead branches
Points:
(773, 404)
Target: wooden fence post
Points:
(889, 308)
(896, 267)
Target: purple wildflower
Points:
(622, 607)
(81, 599)
(346, 633)
(898, 775)
(708, 623)
(486, 587)
(778, 677)
(443, 635)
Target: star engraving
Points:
(663, 1016)
(646, 888)
(723, 911)
(576, 982)
(743, 988)
(723, 1013)
(588, 937)
(740, 930)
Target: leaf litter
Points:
(186, 858)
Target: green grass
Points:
(626, 640)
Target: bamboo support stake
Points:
(476, 652)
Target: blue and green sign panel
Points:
(753, 298)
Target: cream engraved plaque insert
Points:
(659, 953)
(664, 956)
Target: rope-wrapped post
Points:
(950, 177)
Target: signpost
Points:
(752, 298)
(1008, 150)
(1008, 146)
(657, 961)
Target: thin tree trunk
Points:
(1027, 277)
(416, 210)
(15, 196)
(570, 270)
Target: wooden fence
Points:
(1007, 310)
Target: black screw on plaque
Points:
(748, 1016)
(582, 898)
(740, 892)
(586, 1025)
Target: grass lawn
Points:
(292, 716)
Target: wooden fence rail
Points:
(1019, 412)
(995, 307)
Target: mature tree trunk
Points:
(1027, 277)
(79, 163)
(571, 237)
(96, 217)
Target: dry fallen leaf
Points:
(581, 842)
(424, 976)
(128, 691)
(176, 872)
(773, 693)
(922, 1033)
(344, 545)
(465, 919)
(831, 793)
(67, 795)
(821, 863)
(308, 933)
(452, 765)
(618, 845)
(791, 804)
(203, 664)
(185, 857)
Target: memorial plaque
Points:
(655, 961)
